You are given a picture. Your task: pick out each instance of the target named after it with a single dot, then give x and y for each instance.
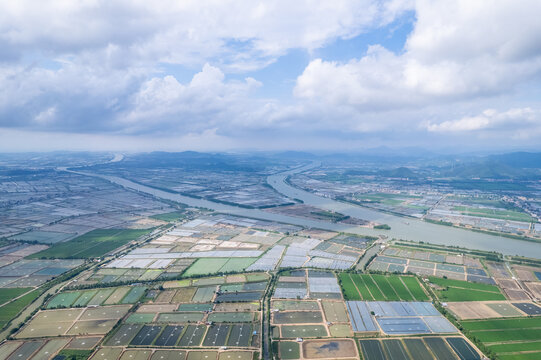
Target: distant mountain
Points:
(296, 155)
(520, 165)
(193, 161)
(401, 172)
(525, 160)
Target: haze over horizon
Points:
(274, 75)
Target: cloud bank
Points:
(122, 70)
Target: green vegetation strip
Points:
(96, 243)
(457, 290)
(7, 294)
(508, 337)
(381, 287)
(170, 216)
(11, 310)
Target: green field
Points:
(508, 337)
(90, 245)
(170, 216)
(500, 324)
(7, 294)
(9, 311)
(381, 287)
(205, 266)
(495, 214)
(457, 290)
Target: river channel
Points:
(401, 228)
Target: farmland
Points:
(418, 349)
(205, 266)
(508, 337)
(456, 290)
(381, 287)
(90, 245)
(201, 314)
(170, 216)
(9, 311)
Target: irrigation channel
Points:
(401, 228)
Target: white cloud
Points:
(102, 67)
(457, 50)
(518, 123)
(205, 102)
(244, 34)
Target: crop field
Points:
(170, 216)
(380, 287)
(93, 244)
(508, 337)
(205, 266)
(510, 215)
(418, 349)
(304, 331)
(9, 294)
(456, 290)
(9, 311)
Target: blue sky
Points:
(274, 75)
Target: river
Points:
(417, 230)
(406, 228)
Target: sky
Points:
(221, 75)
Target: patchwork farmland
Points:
(207, 288)
(381, 287)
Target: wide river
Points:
(401, 228)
